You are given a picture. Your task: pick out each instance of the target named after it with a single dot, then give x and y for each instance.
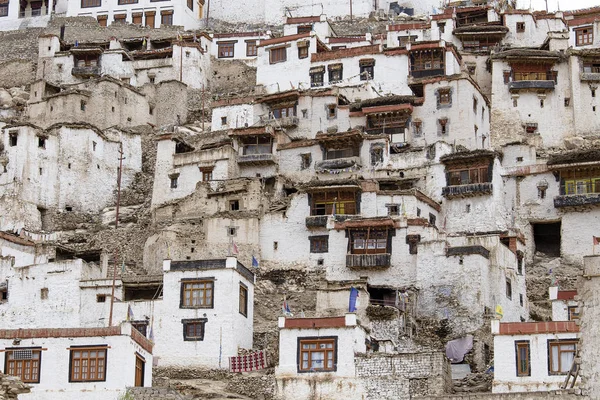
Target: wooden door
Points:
(139, 370)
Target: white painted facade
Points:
(562, 302)
(122, 349)
(539, 378)
(243, 45)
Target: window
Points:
(393, 209)
(561, 354)
(44, 293)
(120, 18)
(369, 241)
(317, 354)
(82, 105)
(432, 219)
(140, 326)
(443, 126)
(333, 202)
(243, 300)
(190, 4)
(567, 101)
(336, 73)
(88, 364)
(252, 145)
(223, 120)
(593, 92)
(573, 312)
(225, 49)
(521, 300)
(317, 75)
(193, 329)
(584, 36)
(278, 112)
(520, 27)
(508, 288)
(197, 294)
(94, 144)
(376, 154)
(234, 205)
(444, 96)
(100, 298)
(475, 105)
(468, 175)
(174, 178)
(523, 357)
(166, 17)
(24, 363)
(425, 63)
(531, 127)
(150, 18)
(277, 55)
(206, 174)
(417, 128)
(392, 124)
(102, 20)
(303, 49)
(304, 29)
(251, 49)
(319, 244)
(305, 160)
(13, 138)
(90, 3)
(331, 111)
(404, 40)
(367, 69)
(471, 68)
(519, 262)
(137, 18)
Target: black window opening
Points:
(547, 238)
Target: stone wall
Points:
(153, 393)
(589, 309)
(11, 387)
(562, 395)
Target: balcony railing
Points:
(574, 200)
(257, 159)
(86, 71)
(338, 163)
(37, 12)
(532, 84)
(368, 260)
(473, 189)
(285, 122)
(593, 76)
(427, 72)
(316, 221)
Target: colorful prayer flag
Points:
(353, 300)
(254, 262)
(235, 248)
(285, 308)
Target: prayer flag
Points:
(235, 248)
(129, 313)
(353, 299)
(254, 262)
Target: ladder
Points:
(573, 372)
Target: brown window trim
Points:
(98, 349)
(321, 203)
(190, 281)
(283, 49)
(318, 340)
(226, 49)
(243, 300)
(518, 345)
(195, 321)
(371, 236)
(319, 244)
(7, 362)
(251, 48)
(559, 342)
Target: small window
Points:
(475, 105)
(593, 92)
(418, 212)
(413, 243)
(206, 174)
(573, 313)
(393, 209)
(100, 298)
(515, 103)
(584, 36)
(68, 208)
(166, 18)
(102, 20)
(41, 142)
(567, 101)
(303, 49)
(376, 155)
(243, 300)
(444, 96)
(441, 27)
(94, 144)
(305, 160)
(508, 288)
(13, 138)
(432, 219)
(251, 49)
(304, 113)
(120, 18)
(519, 262)
(44, 293)
(317, 76)
(331, 111)
(521, 300)
(190, 4)
(562, 353)
(443, 126)
(336, 73)
(24, 363)
(226, 49)
(275, 245)
(317, 354)
(367, 69)
(82, 105)
(88, 364)
(151, 110)
(3, 292)
(304, 29)
(542, 192)
(193, 329)
(174, 180)
(523, 358)
(531, 127)
(223, 120)
(541, 103)
(520, 27)
(417, 128)
(234, 205)
(90, 3)
(277, 55)
(471, 68)
(319, 244)
(197, 294)
(140, 326)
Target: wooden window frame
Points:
(558, 343)
(187, 286)
(11, 365)
(168, 16)
(335, 73)
(444, 96)
(141, 326)
(150, 15)
(243, 300)
(427, 60)
(83, 349)
(251, 48)
(371, 241)
(520, 344)
(200, 329)
(318, 341)
(277, 54)
(520, 27)
(4, 10)
(226, 49)
(102, 20)
(122, 2)
(322, 202)
(283, 111)
(120, 18)
(573, 313)
(583, 38)
(91, 3)
(317, 78)
(190, 4)
(468, 175)
(366, 69)
(206, 174)
(303, 52)
(137, 18)
(319, 244)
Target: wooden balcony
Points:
(575, 200)
(369, 261)
(86, 71)
(473, 189)
(256, 159)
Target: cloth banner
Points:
(251, 362)
(456, 349)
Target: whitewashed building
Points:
(534, 356)
(564, 305)
(77, 363)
